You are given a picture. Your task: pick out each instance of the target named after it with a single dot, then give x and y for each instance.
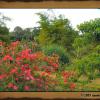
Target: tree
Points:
(4, 34)
(3, 19)
(28, 34)
(56, 31)
(91, 30)
(89, 38)
(18, 33)
(4, 31)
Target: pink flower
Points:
(40, 85)
(15, 87)
(2, 76)
(26, 88)
(32, 78)
(13, 52)
(16, 79)
(23, 68)
(33, 56)
(13, 71)
(7, 57)
(55, 65)
(10, 85)
(28, 74)
(46, 88)
(25, 54)
(65, 81)
(26, 65)
(14, 44)
(27, 78)
(1, 43)
(18, 58)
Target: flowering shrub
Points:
(22, 69)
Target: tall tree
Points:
(91, 30)
(18, 33)
(4, 31)
(56, 31)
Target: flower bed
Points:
(22, 69)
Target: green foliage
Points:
(97, 49)
(78, 51)
(81, 47)
(92, 27)
(88, 65)
(59, 50)
(88, 39)
(4, 31)
(3, 19)
(87, 49)
(20, 34)
(56, 31)
(4, 34)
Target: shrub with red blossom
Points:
(22, 69)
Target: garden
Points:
(51, 57)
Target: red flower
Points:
(40, 85)
(7, 57)
(13, 52)
(44, 67)
(28, 74)
(18, 58)
(26, 51)
(36, 68)
(15, 87)
(1, 43)
(43, 73)
(2, 76)
(13, 71)
(65, 74)
(46, 88)
(14, 44)
(55, 65)
(72, 86)
(25, 54)
(46, 59)
(10, 85)
(26, 88)
(16, 79)
(32, 78)
(48, 73)
(27, 78)
(26, 65)
(23, 68)
(33, 56)
(65, 81)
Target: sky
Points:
(27, 18)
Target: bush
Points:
(22, 69)
(88, 65)
(4, 34)
(59, 50)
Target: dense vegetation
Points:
(51, 57)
